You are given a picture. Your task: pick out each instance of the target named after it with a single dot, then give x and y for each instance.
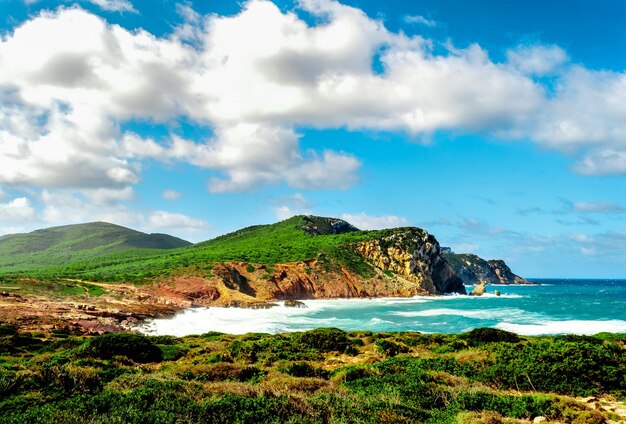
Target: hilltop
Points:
(23, 253)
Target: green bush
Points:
(353, 373)
(575, 368)
(390, 348)
(326, 339)
(304, 369)
(137, 347)
(172, 352)
(479, 336)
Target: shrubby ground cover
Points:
(319, 376)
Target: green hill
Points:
(296, 239)
(51, 247)
(113, 254)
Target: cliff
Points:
(414, 255)
(475, 270)
(399, 262)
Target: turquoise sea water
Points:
(552, 307)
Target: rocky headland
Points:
(400, 262)
(473, 270)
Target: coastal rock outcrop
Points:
(479, 290)
(473, 270)
(413, 255)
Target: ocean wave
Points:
(583, 327)
(375, 321)
(484, 314)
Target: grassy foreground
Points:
(319, 376)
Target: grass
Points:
(282, 242)
(41, 249)
(325, 375)
(54, 288)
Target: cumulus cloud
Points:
(62, 206)
(171, 195)
(364, 221)
(69, 81)
(17, 210)
(285, 212)
(294, 204)
(114, 5)
(106, 196)
(162, 219)
(538, 60)
(421, 20)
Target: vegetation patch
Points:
(306, 377)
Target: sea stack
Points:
(479, 290)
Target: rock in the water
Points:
(496, 292)
(479, 290)
(290, 303)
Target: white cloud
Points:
(171, 195)
(106, 196)
(162, 219)
(364, 221)
(62, 207)
(294, 204)
(421, 20)
(114, 5)
(465, 248)
(336, 170)
(285, 212)
(598, 207)
(17, 210)
(537, 60)
(605, 161)
(69, 81)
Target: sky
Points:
(500, 127)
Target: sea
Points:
(554, 306)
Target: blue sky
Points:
(500, 127)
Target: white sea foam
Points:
(486, 314)
(586, 327)
(375, 321)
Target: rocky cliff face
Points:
(317, 225)
(475, 270)
(415, 256)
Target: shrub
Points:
(390, 348)
(353, 373)
(304, 369)
(133, 346)
(575, 368)
(480, 336)
(326, 339)
(172, 352)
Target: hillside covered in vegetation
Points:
(334, 244)
(319, 376)
(54, 247)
